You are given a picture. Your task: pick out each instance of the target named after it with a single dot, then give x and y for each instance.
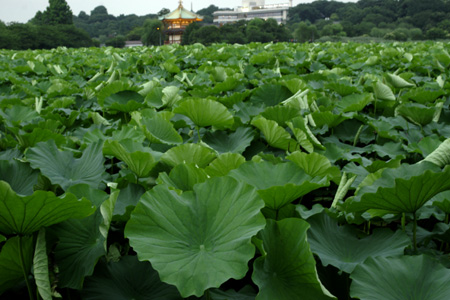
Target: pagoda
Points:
(176, 22)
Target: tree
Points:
(163, 12)
(135, 34)
(207, 13)
(232, 33)
(152, 32)
(58, 12)
(117, 42)
(436, 33)
(186, 39)
(256, 32)
(6, 39)
(305, 32)
(206, 35)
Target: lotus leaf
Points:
(141, 161)
(204, 112)
(287, 268)
(25, 215)
(224, 163)
(406, 277)
(40, 267)
(275, 135)
(235, 142)
(11, 272)
(20, 176)
(62, 168)
(404, 189)
(277, 184)
(189, 153)
(127, 279)
(341, 247)
(197, 233)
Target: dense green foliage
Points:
(323, 20)
(29, 36)
(391, 19)
(259, 171)
(57, 13)
(152, 33)
(103, 26)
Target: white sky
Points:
(23, 10)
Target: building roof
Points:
(181, 13)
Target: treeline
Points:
(389, 19)
(48, 29)
(241, 32)
(107, 28)
(29, 36)
(320, 20)
(331, 20)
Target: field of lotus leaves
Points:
(260, 171)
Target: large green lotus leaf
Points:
(205, 112)
(170, 95)
(404, 189)
(314, 164)
(80, 245)
(128, 132)
(40, 135)
(188, 237)
(246, 111)
(20, 176)
(62, 168)
(25, 215)
(322, 118)
(140, 162)
(40, 267)
(280, 114)
(422, 95)
(246, 293)
(399, 82)
(125, 101)
(270, 95)
(235, 142)
(189, 153)
(183, 177)
(416, 113)
(228, 85)
(287, 270)
(19, 115)
(441, 155)
(120, 96)
(355, 102)
(343, 88)
(127, 199)
(341, 247)
(277, 184)
(11, 272)
(275, 135)
(442, 200)
(383, 92)
(385, 129)
(158, 129)
(224, 163)
(407, 277)
(127, 279)
(303, 134)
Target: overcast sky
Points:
(23, 10)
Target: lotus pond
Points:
(264, 171)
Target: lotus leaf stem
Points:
(25, 273)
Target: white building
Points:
(252, 9)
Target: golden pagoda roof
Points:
(181, 13)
